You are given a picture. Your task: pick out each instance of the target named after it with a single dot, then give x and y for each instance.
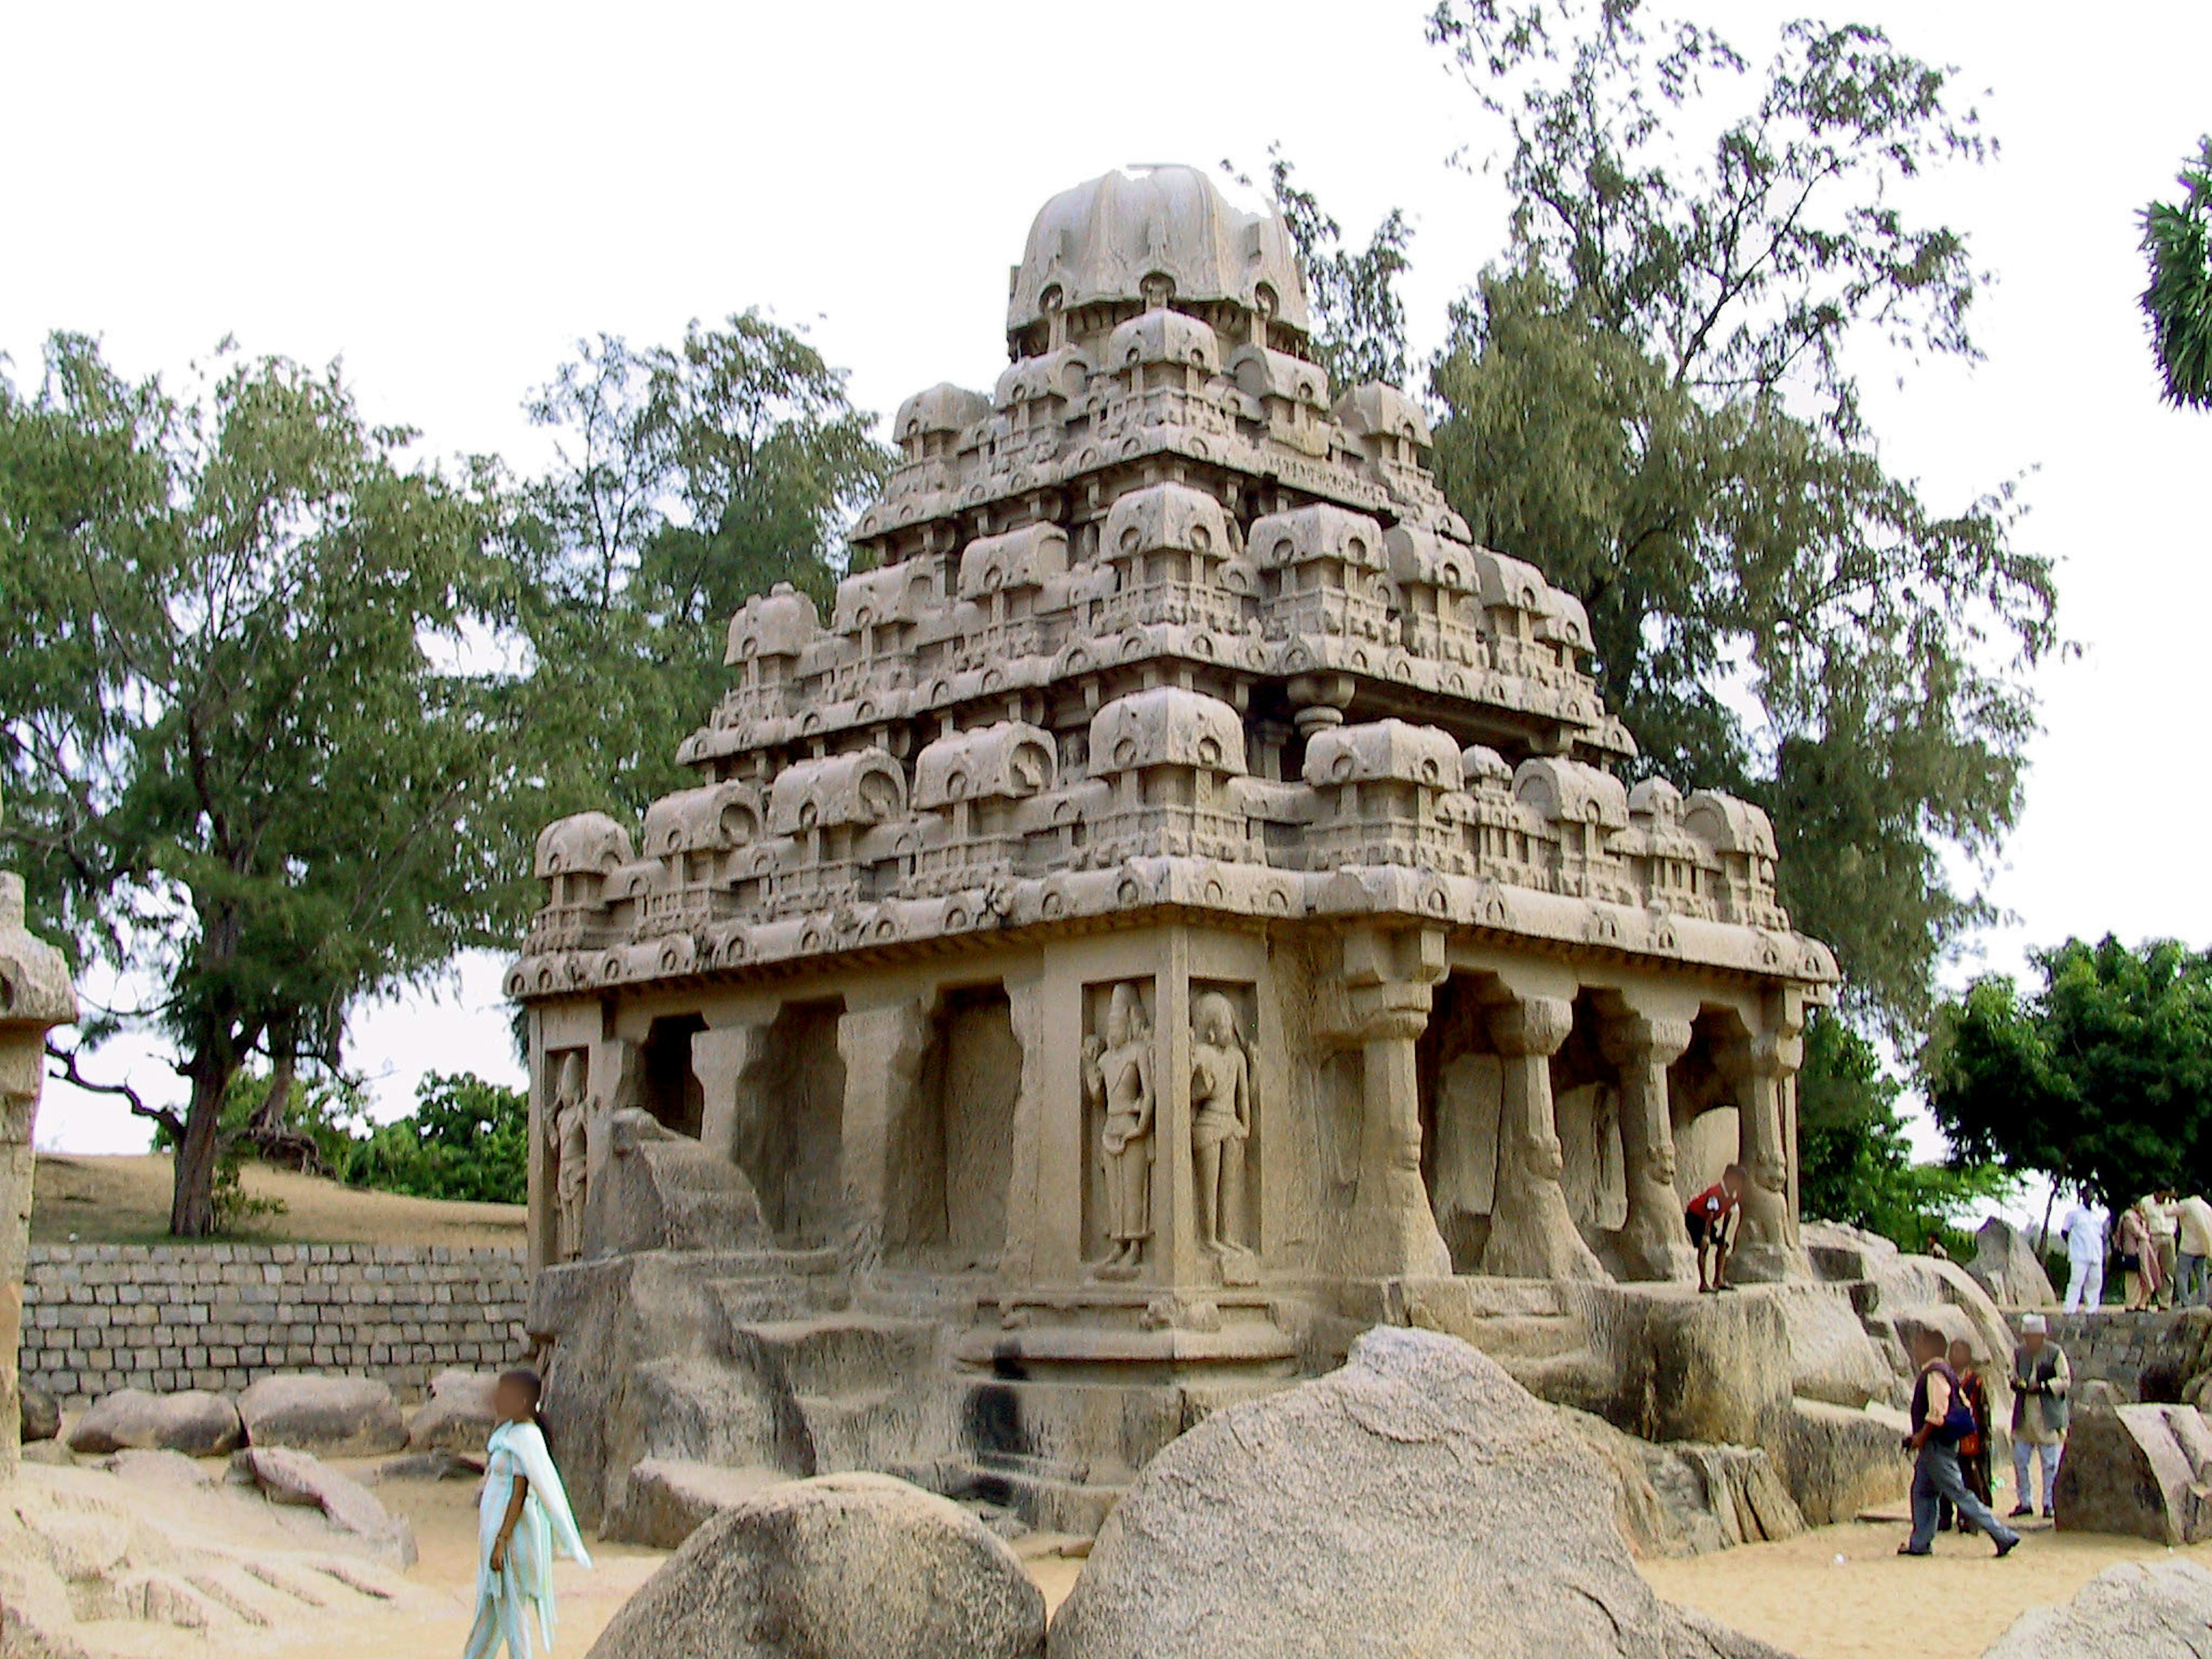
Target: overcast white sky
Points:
(446, 196)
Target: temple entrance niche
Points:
(789, 1131)
(951, 1154)
(1120, 1125)
(1462, 1084)
(1702, 1104)
(672, 1091)
(1586, 1107)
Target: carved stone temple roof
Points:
(1164, 620)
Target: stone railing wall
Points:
(98, 1317)
(2116, 1347)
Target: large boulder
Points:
(332, 1416)
(196, 1424)
(667, 1499)
(2138, 1470)
(1837, 1462)
(38, 1414)
(1417, 1501)
(1685, 1499)
(1832, 1358)
(458, 1417)
(647, 1361)
(2141, 1609)
(2006, 1265)
(287, 1476)
(833, 1568)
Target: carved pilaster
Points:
(35, 996)
(1532, 1233)
(884, 1049)
(1652, 1242)
(1763, 1067)
(1390, 978)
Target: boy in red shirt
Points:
(1713, 1217)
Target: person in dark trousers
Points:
(1713, 1217)
(1974, 1449)
(1940, 1420)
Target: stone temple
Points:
(1174, 912)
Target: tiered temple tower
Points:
(1177, 892)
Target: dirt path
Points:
(125, 1201)
(1843, 1593)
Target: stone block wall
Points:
(98, 1317)
(2116, 1347)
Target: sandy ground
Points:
(1870, 1605)
(1843, 1592)
(1839, 1593)
(125, 1201)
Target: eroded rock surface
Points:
(2139, 1609)
(1417, 1501)
(193, 1422)
(459, 1415)
(333, 1416)
(834, 1568)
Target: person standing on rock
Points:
(2193, 1244)
(2136, 1256)
(2157, 1209)
(522, 1520)
(1940, 1420)
(2041, 1379)
(1714, 1216)
(2084, 1233)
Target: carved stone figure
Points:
(1118, 1075)
(569, 1131)
(1220, 1119)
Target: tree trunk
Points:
(192, 1200)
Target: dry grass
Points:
(125, 1201)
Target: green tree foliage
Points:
(2177, 241)
(242, 770)
(687, 479)
(1855, 1159)
(466, 1138)
(2101, 1080)
(1359, 320)
(1651, 397)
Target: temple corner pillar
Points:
(35, 996)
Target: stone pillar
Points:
(1532, 1233)
(1767, 1064)
(884, 1049)
(1392, 1231)
(1653, 1242)
(35, 996)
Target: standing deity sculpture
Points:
(569, 1131)
(1117, 1076)
(1221, 1120)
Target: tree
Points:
(687, 479)
(1854, 1159)
(1651, 397)
(1359, 320)
(2101, 1080)
(244, 771)
(2177, 241)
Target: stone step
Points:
(1508, 1337)
(837, 1354)
(1045, 1503)
(868, 1428)
(1109, 1429)
(781, 1286)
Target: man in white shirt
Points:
(2085, 1258)
(2192, 1222)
